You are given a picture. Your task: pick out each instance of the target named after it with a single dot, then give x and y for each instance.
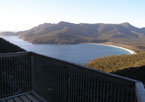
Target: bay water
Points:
(77, 53)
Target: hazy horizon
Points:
(23, 15)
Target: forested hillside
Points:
(117, 62)
(132, 66)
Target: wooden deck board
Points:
(29, 97)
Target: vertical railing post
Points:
(66, 84)
(140, 91)
(32, 70)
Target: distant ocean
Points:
(78, 53)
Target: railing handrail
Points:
(14, 54)
(140, 92)
(100, 73)
(136, 85)
(67, 63)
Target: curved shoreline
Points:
(130, 51)
(112, 45)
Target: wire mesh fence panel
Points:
(15, 74)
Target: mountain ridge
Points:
(70, 33)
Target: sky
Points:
(18, 15)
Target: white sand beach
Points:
(130, 51)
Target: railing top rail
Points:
(113, 77)
(14, 54)
(69, 68)
(65, 63)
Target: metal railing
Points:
(15, 74)
(59, 81)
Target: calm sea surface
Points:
(79, 53)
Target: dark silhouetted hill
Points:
(137, 73)
(6, 47)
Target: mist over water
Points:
(78, 53)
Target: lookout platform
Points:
(30, 77)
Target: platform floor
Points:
(28, 97)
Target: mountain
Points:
(6, 47)
(143, 29)
(8, 33)
(70, 33)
